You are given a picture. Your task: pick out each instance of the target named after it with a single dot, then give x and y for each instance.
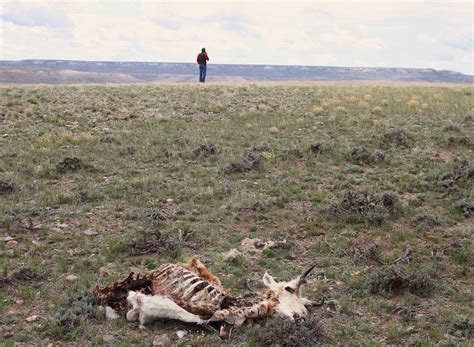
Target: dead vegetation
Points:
(6, 187)
(251, 160)
(399, 138)
(302, 332)
(395, 279)
(205, 150)
(71, 164)
(361, 155)
(25, 274)
(365, 207)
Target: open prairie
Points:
(374, 183)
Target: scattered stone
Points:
(71, 278)
(108, 338)
(160, 340)
(110, 313)
(181, 333)
(31, 319)
(232, 254)
(7, 238)
(90, 232)
(19, 302)
(257, 245)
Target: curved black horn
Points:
(306, 272)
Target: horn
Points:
(305, 274)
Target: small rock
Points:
(181, 333)
(110, 313)
(108, 338)
(5, 135)
(90, 232)
(71, 278)
(32, 319)
(232, 254)
(160, 340)
(12, 243)
(8, 238)
(169, 200)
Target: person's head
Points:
(203, 50)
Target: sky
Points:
(416, 34)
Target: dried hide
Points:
(190, 293)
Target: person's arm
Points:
(207, 58)
(197, 59)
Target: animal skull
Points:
(290, 302)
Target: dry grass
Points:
(97, 181)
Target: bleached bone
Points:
(190, 293)
(147, 308)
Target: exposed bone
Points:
(190, 293)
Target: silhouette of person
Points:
(202, 60)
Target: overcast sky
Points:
(363, 33)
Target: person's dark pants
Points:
(202, 72)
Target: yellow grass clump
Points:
(385, 102)
(317, 110)
(412, 103)
(368, 97)
(377, 110)
(341, 109)
(274, 130)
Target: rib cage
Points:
(190, 289)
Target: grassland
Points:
(96, 181)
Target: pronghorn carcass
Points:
(190, 293)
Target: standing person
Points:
(202, 60)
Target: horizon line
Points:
(192, 63)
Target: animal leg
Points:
(308, 302)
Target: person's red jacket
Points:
(197, 59)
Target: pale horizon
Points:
(340, 34)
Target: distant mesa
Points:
(74, 71)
